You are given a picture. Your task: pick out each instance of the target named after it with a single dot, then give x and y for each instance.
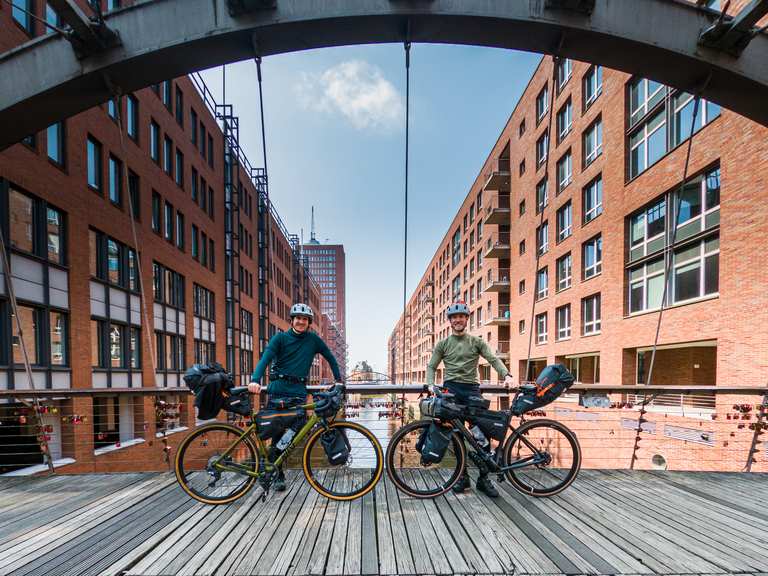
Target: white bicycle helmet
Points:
(457, 308)
(302, 310)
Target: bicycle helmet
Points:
(457, 308)
(302, 310)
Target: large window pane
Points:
(116, 336)
(113, 262)
(55, 138)
(54, 235)
(687, 281)
(689, 202)
(135, 348)
(94, 164)
(28, 317)
(22, 222)
(711, 274)
(115, 181)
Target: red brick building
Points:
(169, 156)
(577, 230)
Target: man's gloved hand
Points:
(254, 387)
(508, 380)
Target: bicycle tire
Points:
(317, 477)
(188, 466)
(413, 480)
(520, 479)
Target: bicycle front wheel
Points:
(417, 479)
(354, 475)
(205, 474)
(546, 456)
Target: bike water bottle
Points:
(285, 439)
(479, 436)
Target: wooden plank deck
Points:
(609, 522)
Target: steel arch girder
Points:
(163, 39)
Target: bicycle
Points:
(536, 452)
(218, 463)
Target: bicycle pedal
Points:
(501, 478)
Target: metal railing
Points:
(617, 426)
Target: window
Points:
(542, 238)
(644, 95)
(156, 215)
(195, 246)
(134, 193)
(22, 11)
(210, 203)
(564, 121)
(593, 142)
(564, 71)
(593, 199)
(179, 168)
(154, 141)
(564, 171)
(563, 322)
(542, 147)
(521, 128)
(56, 142)
(593, 85)
(31, 319)
(696, 270)
(647, 229)
(95, 166)
(115, 181)
(646, 286)
(193, 126)
(203, 194)
(169, 222)
(456, 248)
(112, 107)
(541, 328)
(51, 18)
(204, 249)
(36, 227)
(179, 106)
(165, 89)
(210, 150)
(699, 205)
(541, 104)
(564, 221)
(132, 117)
(648, 144)
(521, 208)
(541, 195)
(202, 139)
(521, 287)
(180, 230)
(521, 326)
(521, 247)
(564, 265)
(113, 5)
(542, 283)
(112, 261)
(168, 286)
(590, 315)
(521, 168)
(682, 106)
(194, 185)
(168, 156)
(592, 257)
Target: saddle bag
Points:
(433, 443)
(272, 423)
(336, 445)
(552, 382)
(493, 423)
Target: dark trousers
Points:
(463, 391)
(284, 402)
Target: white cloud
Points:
(358, 91)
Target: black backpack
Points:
(553, 381)
(209, 383)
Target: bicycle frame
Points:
(534, 460)
(261, 446)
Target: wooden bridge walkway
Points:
(608, 522)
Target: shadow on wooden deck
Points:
(607, 522)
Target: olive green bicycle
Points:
(218, 462)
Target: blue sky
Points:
(336, 140)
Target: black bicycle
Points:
(540, 458)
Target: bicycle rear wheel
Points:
(200, 453)
(551, 454)
(410, 475)
(357, 475)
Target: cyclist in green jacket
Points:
(460, 353)
(290, 354)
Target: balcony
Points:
(499, 178)
(498, 211)
(502, 349)
(501, 316)
(498, 281)
(497, 246)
